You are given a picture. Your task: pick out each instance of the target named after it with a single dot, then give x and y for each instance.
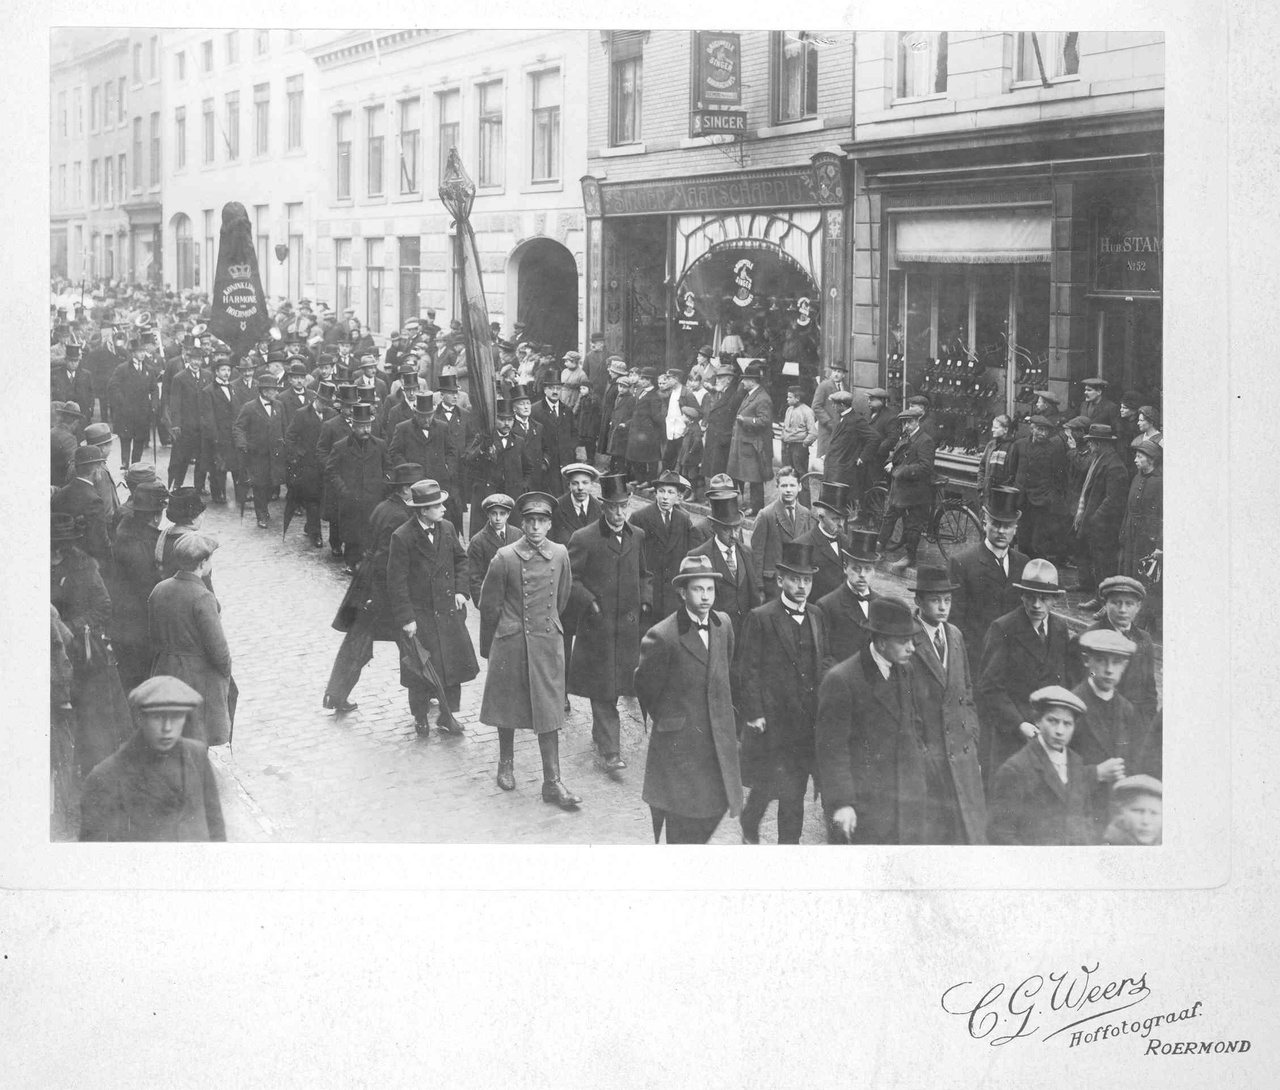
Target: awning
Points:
(999, 237)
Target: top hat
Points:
(1121, 584)
(362, 412)
(98, 434)
(89, 454)
(64, 527)
(724, 508)
(890, 617)
(326, 391)
(695, 567)
(1057, 696)
(348, 394)
(1099, 382)
(498, 499)
(670, 476)
(72, 349)
(580, 467)
(504, 345)
(797, 556)
(424, 401)
(1003, 504)
(536, 503)
(1100, 432)
(1106, 641)
(834, 496)
(613, 488)
(409, 379)
(366, 395)
(932, 581)
(1039, 577)
(550, 377)
(185, 504)
(522, 391)
(425, 493)
(502, 407)
(755, 370)
(447, 384)
(404, 473)
(861, 547)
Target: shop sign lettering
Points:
(718, 75)
(776, 191)
(742, 270)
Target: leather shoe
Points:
(345, 706)
(506, 777)
(614, 764)
(336, 551)
(449, 725)
(262, 524)
(750, 838)
(422, 727)
(556, 792)
(317, 541)
(567, 707)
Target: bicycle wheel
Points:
(954, 528)
(871, 509)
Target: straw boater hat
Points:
(695, 567)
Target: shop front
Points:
(145, 249)
(677, 264)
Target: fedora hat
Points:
(932, 581)
(1039, 577)
(97, 434)
(797, 557)
(834, 496)
(617, 366)
(724, 508)
(670, 476)
(1003, 504)
(498, 499)
(613, 488)
(695, 567)
(425, 493)
(536, 503)
(861, 547)
(1106, 641)
(404, 473)
(64, 527)
(1100, 432)
(267, 379)
(147, 498)
(579, 467)
(890, 617)
(1058, 696)
(362, 413)
(755, 370)
(70, 408)
(1121, 584)
(89, 455)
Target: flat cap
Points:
(1106, 641)
(1138, 785)
(498, 499)
(164, 693)
(1116, 584)
(1056, 694)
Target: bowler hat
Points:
(574, 468)
(98, 434)
(297, 367)
(670, 476)
(425, 493)
(797, 556)
(1002, 504)
(64, 527)
(1058, 696)
(834, 496)
(424, 402)
(404, 473)
(932, 581)
(163, 693)
(755, 370)
(1137, 785)
(536, 503)
(185, 504)
(724, 508)
(889, 617)
(651, 373)
(1121, 584)
(362, 413)
(498, 499)
(447, 384)
(89, 455)
(695, 567)
(861, 547)
(837, 365)
(613, 488)
(1039, 577)
(1100, 432)
(1106, 641)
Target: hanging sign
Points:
(717, 64)
(718, 122)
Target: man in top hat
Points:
(559, 444)
(303, 464)
(158, 786)
(185, 421)
(69, 381)
(1025, 650)
(1095, 407)
(1124, 598)
(133, 575)
(428, 586)
(221, 404)
(955, 812)
(1039, 472)
(131, 396)
(425, 439)
(830, 511)
(295, 395)
(525, 590)
(781, 657)
(1099, 513)
(529, 432)
(612, 600)
(596, 364)
(847, 608)
(64, 438)
(503, 467)
(646, 428)
(669, 536)
(1043, 794)
(985, 573)
(751, 448)
(456, 424)
(355, 475)
(488, 539)
(399, 404)
(259, 439)
(365, 611)
(783, 519)
(100, 364)
(910, 487)
(740, 592)
(717, 416)
(684, 685)
(80, 498)
(822, 414)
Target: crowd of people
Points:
(966, 713)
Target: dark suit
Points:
(1110, 728)
(1029, 804)
(1105, 496)
(530, 434)
(435, 452)
(848, 441)
(665, 546)
(910, 490)
(481, 550)
(1138, 685)
(222, 406)
(133, 575)
(508, 471)
(646, 434)
(558, 440)
(736, 596)
(62, 455)
(718, 411)
(984, 592)
(355, 476)
(186, 419)
(1015, 663)
(844, 614)
(302, 462)
(289, 402)
(259, 439)
(771, 531)
(131, 397)
(691, 775)
(77, 387)
(332, 431)
(827, 560)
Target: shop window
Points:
(922, 63)
(795, 67)
(1059, 55)
(626, 84)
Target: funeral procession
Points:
(451, 443)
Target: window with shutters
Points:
(626, 84)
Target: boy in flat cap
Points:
(1137, 813)
(492, 536)
(1123, 600)
(669, 536)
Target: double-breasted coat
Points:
(685, 689)
(186, 631)
(646, 430)
(869, 751)
(529, 434)
(422, 579)
(911, 479)
(844, 615)
(1142, 530)
(945, 700)
(736, 595)
(355, 477)
(751, 448)
(771, 678)
(609, 571)
(1015, 663)
(131, 397)
(525, 589)
(222, 405)
(481, 550)
(773, 529)
(259, 439)
(302, 459)
(558, 440)
(1040, 472)
(665, 545)
(984, 592)
(1028, 803)
(825, 552)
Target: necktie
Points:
(431, 537)
(582, 512)
(940, 646)
(731, 561)
(666, 520)
(1042, 630)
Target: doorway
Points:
(1129, 345)
(546, 277)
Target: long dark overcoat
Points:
(751, 448)
(131, 396)
(1142, 530)
(302, 459)
(983, 593)
(844, 616)
(259, 439)
(685, 690)
(222, 405)
(368, 590)
(481, 550)
(911, 479)
(529, 432)
(80, 498)
(826, 559)
(646, 429)
(559, 441)
(1106, 493)
(355, 477)
(186, 630)
(610, 573)
(434, 451)
(332, 432)
(1028, 803)
(736, 596)
(771, 531)
(664, 547)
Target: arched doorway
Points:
(546, 292)
(184, 255)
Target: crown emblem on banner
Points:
(238, 272)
